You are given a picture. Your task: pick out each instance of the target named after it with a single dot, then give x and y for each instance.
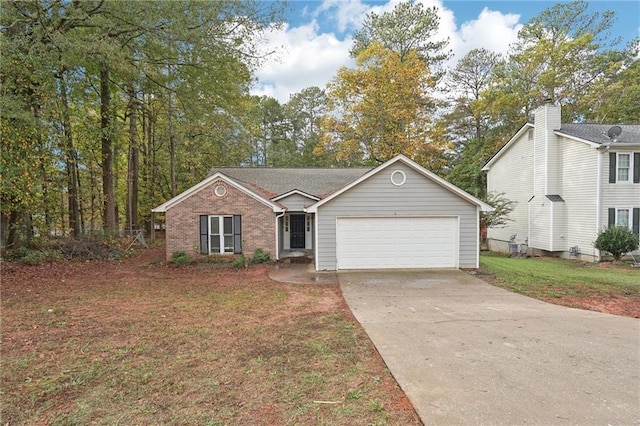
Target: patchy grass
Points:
(566, 282)
(137, 342)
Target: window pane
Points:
(215, 225)
(622, 218)
(228, 243)
(228, 225)
(623, 174)
(215, 244)
(624, 160)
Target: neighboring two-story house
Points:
(570, 181)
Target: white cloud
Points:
(304, 58)
(492, 30)
(348, 14)
(308, 56)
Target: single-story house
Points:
(570, 181)
(396, 215)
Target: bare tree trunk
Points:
(172, 149)
(132, 169)
(93, 197)
(108, 191)
(71, 162)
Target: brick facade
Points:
(183, 220)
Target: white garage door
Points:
(397, 242)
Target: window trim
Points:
(634, 167)
(221, 235)
(629, 211)
(634, 218)
(629, 168)
(234, 237)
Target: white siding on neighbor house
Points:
(296, 202)
(547, 119)
(378, 197)
(580, 192)
(540, 210)
(559, 226)
(513, 175)
(543, 221)
(622, 194)
(539, 158)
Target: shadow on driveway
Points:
(466, 352)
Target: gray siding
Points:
(377, 196)
(296, 202)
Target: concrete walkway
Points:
(466, 352)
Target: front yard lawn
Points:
(603, 287)
(141, 342)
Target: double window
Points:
(624, 167)
(220, 234)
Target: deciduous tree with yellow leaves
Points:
(385, 106)
(380, 109)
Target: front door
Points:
(296, 222)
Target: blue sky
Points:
(316, 40)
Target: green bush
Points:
(240, 262)
(180, 258)
(260, 256)
(617, 240)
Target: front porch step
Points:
(297, 259)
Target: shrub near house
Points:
(617, 240)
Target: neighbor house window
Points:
(623, 217)
(220, 234)
(628, 217)
(624, 167)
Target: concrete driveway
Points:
(466, 352)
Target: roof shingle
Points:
(271, 182)
(597, 133)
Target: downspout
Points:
(599, 195)
(478, 235)
(316, 252)
(529, 223)
(277, 236)
(551, 220)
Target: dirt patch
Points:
(624, 306)
(141, 342)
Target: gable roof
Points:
(594, 135)
(505, 147)
(415, 166)
(295, 192)
(597, 133)
(212, 178)
(273, 182)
